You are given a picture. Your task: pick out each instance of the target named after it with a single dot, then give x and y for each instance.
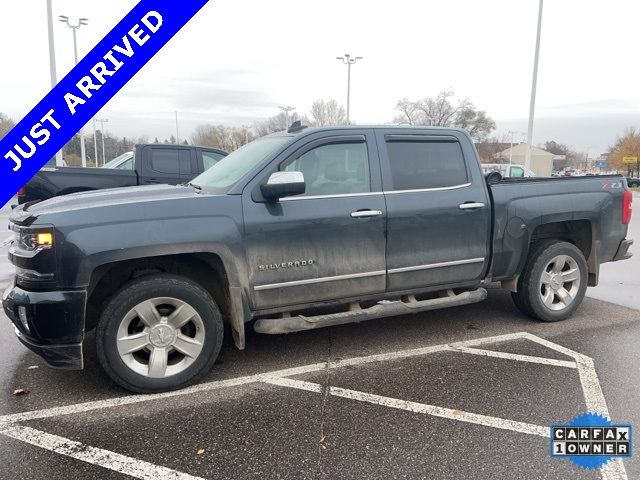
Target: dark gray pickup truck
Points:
(148, 164)
(295, 231)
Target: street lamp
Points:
(532, 105)
(286, 109)
(74, 27)
(52, 63)
(348, 61)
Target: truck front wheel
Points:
(553, 282)
(159, 333)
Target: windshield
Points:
(237, 164)
(115, 163)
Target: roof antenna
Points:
(296, 127)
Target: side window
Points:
(170, 161)
(418, 164)
(126, 165)
(334, 169)
(209, 159)
(517, 172)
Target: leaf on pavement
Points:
(21, 391)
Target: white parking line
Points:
(592, 391)
(134, 399)
(218, 384)
(95, 456)
(515, 356)
(415, 407)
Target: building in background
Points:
(541, 160)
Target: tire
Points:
(517, 300)
(159, 333)
(553, 282)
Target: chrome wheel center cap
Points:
(556, 282)
(162, 335)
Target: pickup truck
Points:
(146, 165)
(299, 230)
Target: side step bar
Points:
(408, 304)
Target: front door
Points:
(438, 210)
(328, 243)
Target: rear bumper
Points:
(49, 323)
(623, 252)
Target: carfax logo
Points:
(590, 440)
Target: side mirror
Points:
(283, 184)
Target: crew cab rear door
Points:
(438, 210)
(328, 243)
(165, 164)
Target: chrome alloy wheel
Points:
(160, 337)
(559, 282)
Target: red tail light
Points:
(22, 192)
(627, 198)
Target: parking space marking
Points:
(594, 398)
(95, 456)
(516, 356)
(416, 407)
(134, 399)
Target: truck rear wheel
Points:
(159, 333)
(553, 282)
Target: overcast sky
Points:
(237, 60)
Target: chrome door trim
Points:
(340, 195)
(437, 265)
(435, 189)
(310, 281)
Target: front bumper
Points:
(623, 252)
(50, 323)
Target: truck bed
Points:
(520, 205)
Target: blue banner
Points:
(88, 87)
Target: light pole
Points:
(74, 27)
(102, 122)
(177, 133)
(348, 61)
(532, 105)
(52, 63)
(286, 109)
(95, 143)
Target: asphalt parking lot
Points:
(458, 393)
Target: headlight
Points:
(32, 240)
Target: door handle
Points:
(471, 205)
(366, 213)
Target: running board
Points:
(385, 308)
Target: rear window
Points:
(419, 164)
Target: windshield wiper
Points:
(197, 187)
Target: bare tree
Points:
(327, 113)
(278, 123)
(6, 124)
(443, 111)
(409, 113)
(222, 137)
